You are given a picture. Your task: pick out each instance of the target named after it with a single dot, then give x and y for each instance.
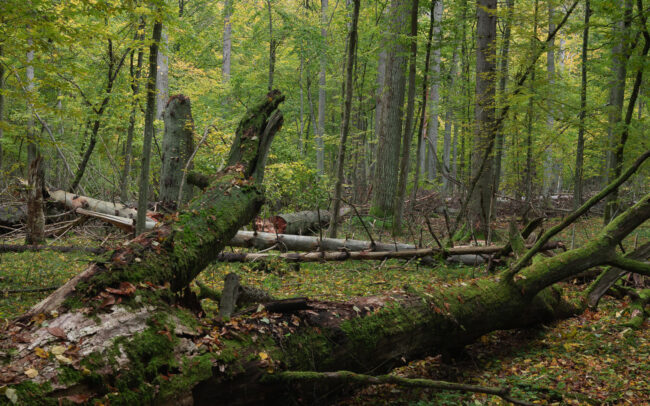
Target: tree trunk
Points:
(481, 197)
(162, 76)
(420, 168)
(149, 117)
(135, 73)
(549, 166)
(178, 146)
(577, 191)
(404, 165)
(322, 95)
(114, 67)
(449, 118)
(272, 46)
(305, 222)
(620, 56)
(434, 95)
(503, 81)
(345, 127)
(227, 41)
(32, 142)
(390, 127)
(617, 160)
(35, 215)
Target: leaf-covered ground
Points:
(589, 359)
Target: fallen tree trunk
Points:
(148, 350)
(320, 256)
(304, 222)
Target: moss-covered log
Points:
(122, 338)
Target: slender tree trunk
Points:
(528, 180)
(301, 139)
(577, 192)
(35, 216)
(322, 95)
(150, 113)
(114, 67)
(485, 130)
(503, 81)
(162, 77)
(390, 128)
(135, 73)
(449, 118)
(227, 41)
(345, 127)
(381, 82)
(420, 163)
(549, 166)
(32, 143)
(434, 95)
(410, 113)
(620, 56)
(272, 46)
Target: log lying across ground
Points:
(118, 333)
(304, 222)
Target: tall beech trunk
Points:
(178, 145)
(485, 129)
(345, 127)
(389, 133)
(118, 352)
(404, 165)
(322, 94)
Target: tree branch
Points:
(577, 213)
(352, 377)
(631, 265)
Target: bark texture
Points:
(35, 201)
(392, 98)
(178, 145)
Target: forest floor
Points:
(591, 359)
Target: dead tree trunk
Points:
(304, 222)
(35, 214)
(144, 351)
(178, 145)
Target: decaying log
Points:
(304, 222)
(146, 350)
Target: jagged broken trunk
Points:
(122, 332)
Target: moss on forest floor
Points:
(572, 362)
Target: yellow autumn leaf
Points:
(64, 359)
(263, 355)
(31, 373)
(57, 350)
(41, 352)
